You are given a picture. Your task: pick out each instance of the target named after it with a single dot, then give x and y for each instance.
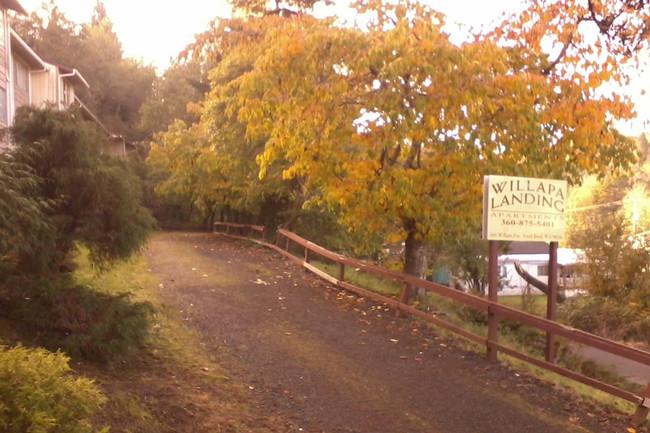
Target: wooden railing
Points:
(241, 230)
(285, 241)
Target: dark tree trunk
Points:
(416, 259)
(208, 220)
(537, 283)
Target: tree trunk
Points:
(416, 259)
(537, 283)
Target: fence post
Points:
(493, 288)
(286, 246)
(551, 300)
(341, 271)
(403, 299)
(307, 251)
(642, 410)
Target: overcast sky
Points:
(155, 31)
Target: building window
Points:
(567, 271)
(542, 271)
(3, 106)
(21, 76)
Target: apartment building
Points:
(26, 79)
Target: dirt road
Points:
(326, 361)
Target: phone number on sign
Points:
(528, 223)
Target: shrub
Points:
(24, 228)
(38, 394)
(609, 317)
(96, 326)
(93, 199)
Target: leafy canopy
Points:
(394, 126)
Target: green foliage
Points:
(95, 199)
(616, 266)
(23, 225)
(467, 256)
(322, 226)
(171, 96)
(610, 317)
(97, 326)
(39, 395)
(610, 225)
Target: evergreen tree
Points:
(95, 198)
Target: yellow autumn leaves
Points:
(393, 126)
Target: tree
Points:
(51, 35)
(181, 86)
(95, 199)
(276, 7)
(212, 161)
(119, 86)
(397, 126)
(610, 222)
(394, 126)
(587, 40)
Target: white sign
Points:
(523, 209)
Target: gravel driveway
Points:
(328, 361)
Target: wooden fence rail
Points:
(285, 240)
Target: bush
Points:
(38, 394)
(24, 228)
(96, 326)
(92, 199)
(608, 317)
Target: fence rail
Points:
(285, 240)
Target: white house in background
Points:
(39, 83)
(6, 65)
(534, 259)
(26, 79)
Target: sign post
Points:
(493, 288)
(551, 302)
(523, 209)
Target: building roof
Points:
(73, 75)
(18, 46)
(89, 115)
(13, 5)
(565, 256)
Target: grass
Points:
(128, 276)
(177, 384)
(534, 304)
(375, 283)
(171, 384)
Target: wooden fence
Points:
(285, 241)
